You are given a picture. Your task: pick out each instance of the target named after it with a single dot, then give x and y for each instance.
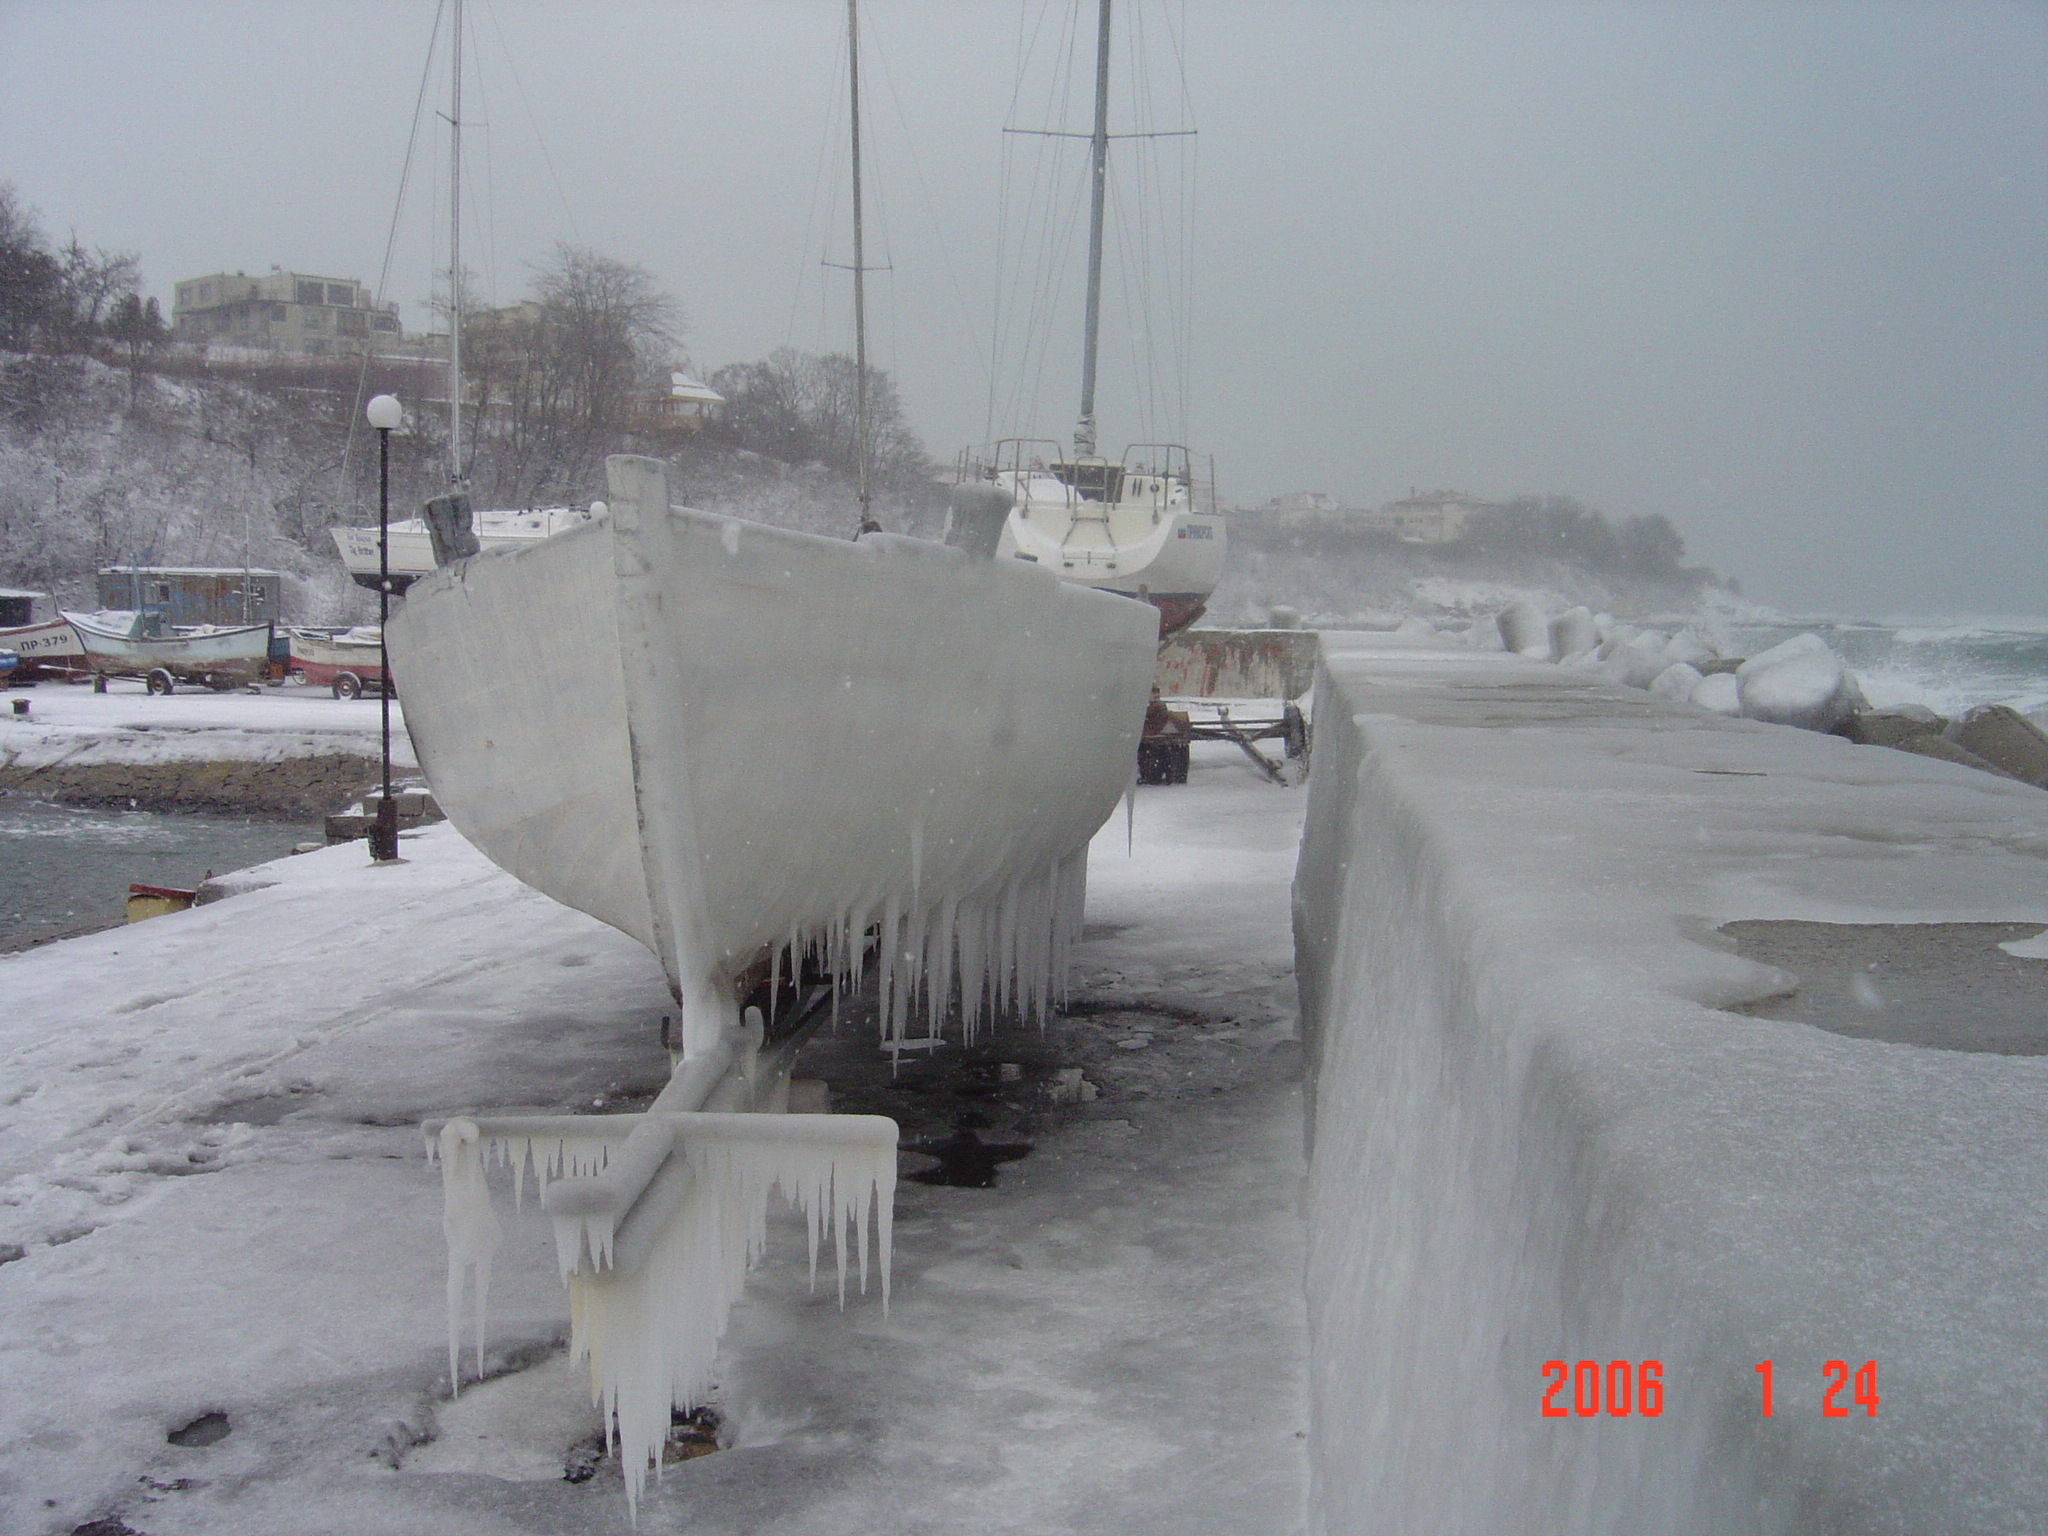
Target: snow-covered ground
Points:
(69, 723)
(209, 1161)
(1560, 1115)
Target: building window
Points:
(310, 319)
(352, 322)
(343, 294)
(312, 293)
(384, 323)
(278, 312)
(316, 348)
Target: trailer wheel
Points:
(347, 686)
(160, 681)
(1294, 731)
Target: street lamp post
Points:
(384, 413)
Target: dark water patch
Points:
(1945, 985)
(964, 1160)
(66, 870)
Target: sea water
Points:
(65, 869)
(1947, 666)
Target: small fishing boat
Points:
(51, 649)
(349, 661)
(123, 644)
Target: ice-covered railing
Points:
(658, 1217)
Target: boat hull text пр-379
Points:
(724, 738)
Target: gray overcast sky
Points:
(1779, 271)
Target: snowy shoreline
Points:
(285, 752)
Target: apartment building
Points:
(293, 314)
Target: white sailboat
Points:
(732, 741)
(1143, 525)
(412, 546)
(411, 543)
(725, 738)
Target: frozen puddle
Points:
(521, 1428)
(1954, 986)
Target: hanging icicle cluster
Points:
(983, 957)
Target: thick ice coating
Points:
(726, 739)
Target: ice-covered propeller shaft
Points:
(650, 1332)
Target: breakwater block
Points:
(2006, 739)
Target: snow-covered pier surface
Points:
(1557, 1114)
(213, 1200)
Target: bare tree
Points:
(557, 379)
(800, 407)
(31, 281)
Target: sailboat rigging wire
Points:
(355, 414)
(1038, 226)
(931, 212)
(801, 283)
(526, 102)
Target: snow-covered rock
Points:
(1676, 681)
(1524, 630)
(1636, 661)
(1797, 682)
(1689, 645)
(1572, 632)
(1718, 692)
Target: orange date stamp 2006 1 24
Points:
(1620, 1388)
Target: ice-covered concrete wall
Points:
(1539, 1133)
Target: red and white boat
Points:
(1136, 527)
(349, 661)
(1143, 526)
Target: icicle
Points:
(651, 1337)
(473, 1234)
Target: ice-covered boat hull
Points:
(722, 737)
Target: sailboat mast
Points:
(455, 254)
(1084, 430)
(860, 272)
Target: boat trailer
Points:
(1236, 685)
